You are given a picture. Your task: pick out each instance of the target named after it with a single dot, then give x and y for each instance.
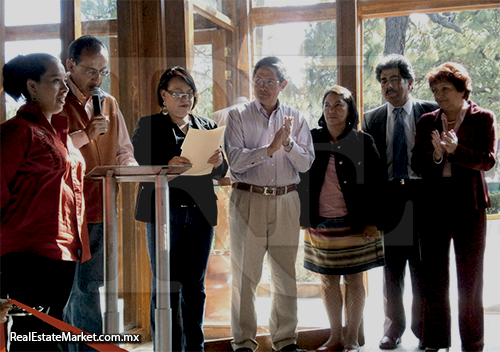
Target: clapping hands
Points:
(444, 143)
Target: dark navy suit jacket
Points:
(375, 123)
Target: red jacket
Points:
(42, 204)
(475, 153)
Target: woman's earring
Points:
(164, 110)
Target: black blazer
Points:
(359, 173)
(375, 124)
(155, 143)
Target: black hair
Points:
(395, 61)
(274, 63)
(173, 72)
(353, 116)
(20, 69)
(85, 42)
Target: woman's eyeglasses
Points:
(189, 96)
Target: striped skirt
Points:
(339, 251)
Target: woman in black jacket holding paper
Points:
(158, 140)
(338, 197)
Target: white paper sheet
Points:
(199, 146)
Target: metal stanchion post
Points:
(163, 313)
(111, 315)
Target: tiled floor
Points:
(311, 311)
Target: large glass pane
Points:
(466, 37)
(203, 78)
(23, 47)
(30, 12)
(93, 10)
(271, 3)
(216, 5)
(310, 60)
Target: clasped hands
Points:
(216, 160)
(444, 143)
(282, 137)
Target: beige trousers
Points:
(260, 224)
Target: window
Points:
(203, 78)
(98, 10)
(466, 37)
(310, 60)
(33, 12)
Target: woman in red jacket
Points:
(454, 146)
(41, 233)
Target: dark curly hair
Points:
(395, 61)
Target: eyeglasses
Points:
(91, 72)
(393, 81)
(189, 96)
(269, 83)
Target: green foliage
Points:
(93, 10)
(320, 72)
(495, 203)
(429, 44)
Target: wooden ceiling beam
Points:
(51, 31)
(384, 8)
(262, 16)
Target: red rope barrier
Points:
(58, 324)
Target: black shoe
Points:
(389, 343)
(16, 311)
(243, 349)
(292, 348)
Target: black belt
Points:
(267, 191)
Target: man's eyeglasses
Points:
(393, 81)
(91, 72)
(189, 96)
(270, 83)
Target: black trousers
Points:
(36, 281)
(402, 248)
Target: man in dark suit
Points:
(393, 126)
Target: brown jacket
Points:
(104, 151)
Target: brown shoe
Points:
(389, 343)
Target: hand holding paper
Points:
(216, 159)
(202, 149)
